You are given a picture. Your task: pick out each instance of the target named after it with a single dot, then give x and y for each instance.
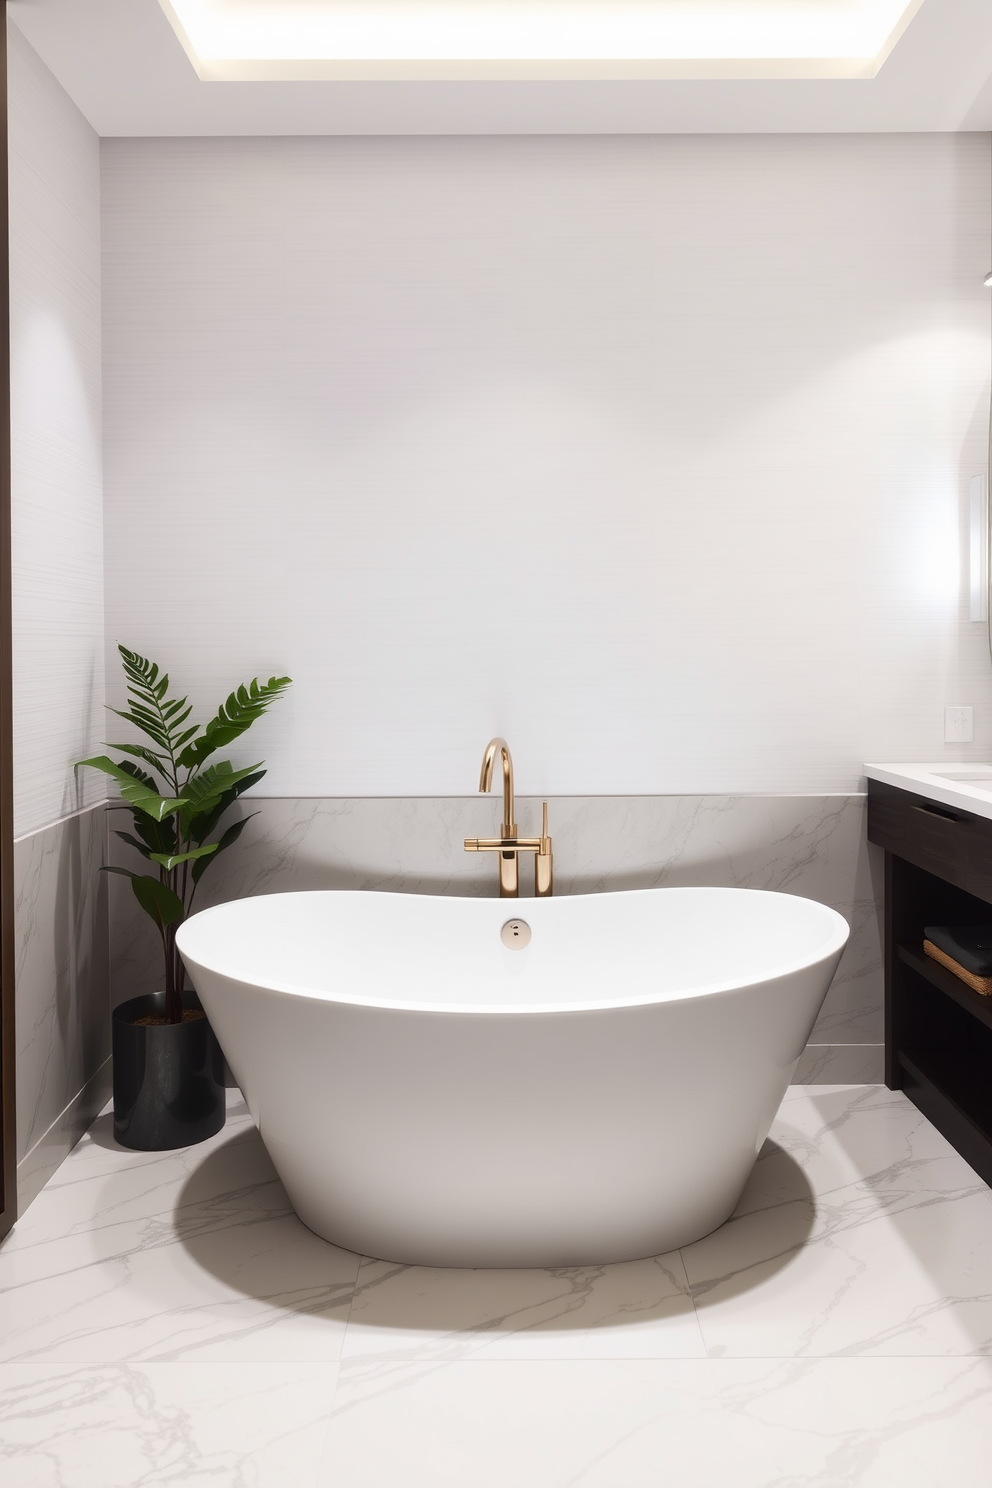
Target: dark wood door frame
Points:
(8, 1142)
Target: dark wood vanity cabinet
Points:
(938, 1032)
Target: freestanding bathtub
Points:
(429, 1094)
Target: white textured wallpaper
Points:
(56, 431)
(651, 453)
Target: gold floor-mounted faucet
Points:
(508, 844)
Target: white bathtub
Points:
(428, 1095)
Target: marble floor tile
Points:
(529, 1424)
(826, 1423)
(194, 1254)
(131, 1425)
(888, 1252)
(867, 1423)
(638, 1310)
(166, 1319)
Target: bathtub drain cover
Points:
(515, 934)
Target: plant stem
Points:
(173, 993)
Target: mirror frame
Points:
(8, 1141)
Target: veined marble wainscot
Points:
(813, 846)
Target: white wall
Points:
(62, 969)
(650, 453)
(56, 428)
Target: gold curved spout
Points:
(508, 845)
(509, 828)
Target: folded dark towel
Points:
(969, 945)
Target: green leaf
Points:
(144, 707)
(137, 788)
(174, 706)
(151, 803)
(109, 767)
(219, 776)
(233, 718)
(215, 780)
(230, 836)
(143, 675)
(149, 707)
(142, 847)
(147, 723)
(206, 790)
(159, 836)
(170, 861)
(131, 769)
(203, 824)
(157, 900)
(140, 752)
(234, 831)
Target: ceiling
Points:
(487, 40)
(126, 69)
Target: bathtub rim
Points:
(832, 946)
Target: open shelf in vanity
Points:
(938, 1032)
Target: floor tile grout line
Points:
(346, 1316)
(320, 1477)
(351, 1303)
(695, 1309)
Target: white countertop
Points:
(971, 791)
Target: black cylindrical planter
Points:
(168, 1078)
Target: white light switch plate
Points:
(959, 726)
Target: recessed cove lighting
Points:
(313, 39)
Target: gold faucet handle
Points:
(544, 867)
(503, 844)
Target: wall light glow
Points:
(978, 550)
(284, 39)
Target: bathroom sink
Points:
(971, 775)
(961, 786)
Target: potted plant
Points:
(168, 1069)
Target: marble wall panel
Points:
(809, 845)
(62, 992)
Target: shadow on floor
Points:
(101, 1133)
(772, 1222)
(235, 1221)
